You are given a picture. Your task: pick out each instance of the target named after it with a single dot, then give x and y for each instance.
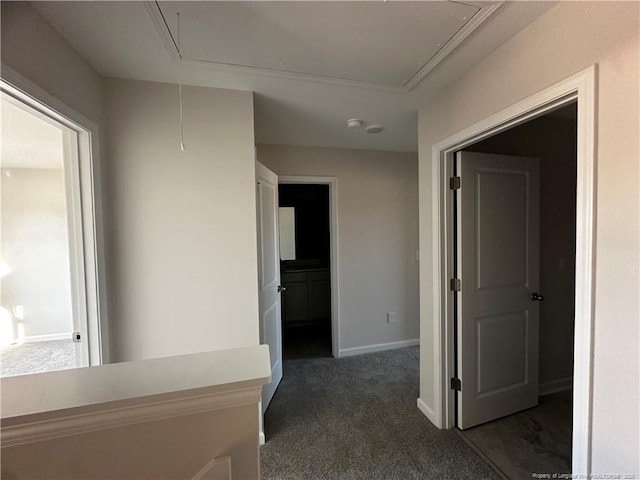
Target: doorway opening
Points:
(579, 88)
(522, 350)
(305, 254)
(49, 301)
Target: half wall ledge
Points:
(166, 417)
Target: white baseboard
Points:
(261, 438)
(48, 338)
(555, 386)
(348, 352)
(428, 412)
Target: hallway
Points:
(356, 418)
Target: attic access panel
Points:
(386, 44)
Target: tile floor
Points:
(537, 440)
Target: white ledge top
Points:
(122, 384)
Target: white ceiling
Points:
(28, 141)
(381, 43)
(294, 56)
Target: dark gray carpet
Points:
(537, 440)
(37, 357)
(356, 418)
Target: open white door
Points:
(269, 275)
(498, 265)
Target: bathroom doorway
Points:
(305, 253)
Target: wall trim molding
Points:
(48, 337)
(427, 411)
(109, 416)
(378, 347)
(555, 386)
(580, 87)
(478, 19)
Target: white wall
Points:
(377, 236)
(36, 246)
(183, 224)
(36, 50)
(568, 38)
(553, 141)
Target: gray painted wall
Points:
(184, 274)
(36, 50)
(377, 236)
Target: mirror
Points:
(287, 217)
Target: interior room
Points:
(184, 119)
(35, 289)
(552, 139)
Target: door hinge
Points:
(454, 183)
(455, 285)
(76, 337)
(456, 384)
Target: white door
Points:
(269, 275)
(498, 256)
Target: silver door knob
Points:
(281, 288)
(536, 297)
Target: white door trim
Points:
(89, 174)
(580, 87)
(333, 211)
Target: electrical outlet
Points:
(391, 317)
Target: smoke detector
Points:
(354, 123)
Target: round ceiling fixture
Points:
(374, 128)
(354, 123)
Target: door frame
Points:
(580, 87)
(88, 222)
(333, 247)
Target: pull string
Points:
(182, 147)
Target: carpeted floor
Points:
(356, 418)
(37, 357)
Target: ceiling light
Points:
(354, 123)
(374, 128)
